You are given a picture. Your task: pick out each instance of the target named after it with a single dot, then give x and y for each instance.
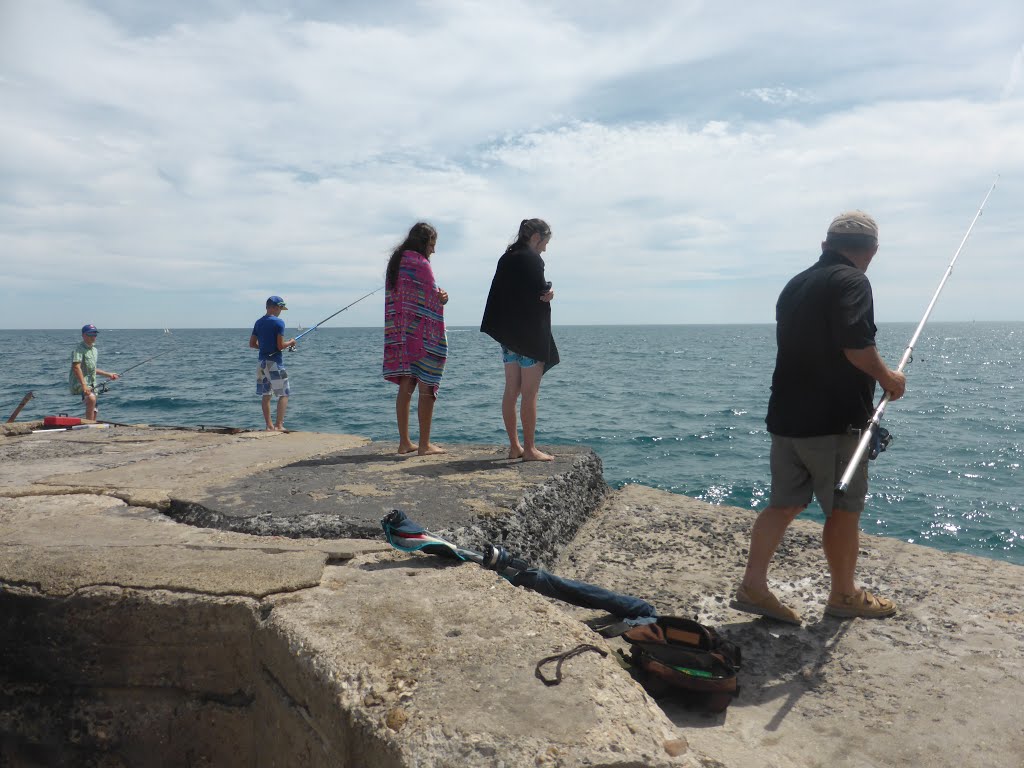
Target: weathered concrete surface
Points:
(472, 493)
(314, 485)
(384, 660)
(444, 658)
(941, 684)
(129, 639)
(149, 466)
(62, 544)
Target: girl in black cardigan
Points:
(518, 316)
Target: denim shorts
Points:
(508, 357)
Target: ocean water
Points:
(675, 407)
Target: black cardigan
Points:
(514, 315)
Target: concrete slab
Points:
(312, 485)
(124, 634)
(348, 492)
(151, 460)
(438, 662)
(62, 544)
(941, 684)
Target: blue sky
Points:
(173, 164)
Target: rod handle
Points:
(862, 447)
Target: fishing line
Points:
(105, 385)
(874, 425)
(310, 330)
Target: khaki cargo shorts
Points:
(805, 465)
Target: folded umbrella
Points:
(406, 535)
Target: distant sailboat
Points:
(300, 328)
(167, 331)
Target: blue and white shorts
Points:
(272, 378)
(509, 357)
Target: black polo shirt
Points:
(815, 389)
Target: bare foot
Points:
(430, 450)
(515, 452)
(269, 429)
(404, 448)
(532, 454)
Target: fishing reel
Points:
(497, 558)
(880, 440)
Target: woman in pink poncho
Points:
(415, 342)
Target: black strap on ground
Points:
(560, 658)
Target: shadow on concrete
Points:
(350, 459)
(459, 467)
(420, 562)
(779, 662)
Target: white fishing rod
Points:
(310, 330)
(875, 423)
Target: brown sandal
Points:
(863, 605)
(767, 605)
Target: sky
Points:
(170, 165)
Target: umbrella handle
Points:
(496, 558)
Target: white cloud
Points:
(780, 95)
(244, 152)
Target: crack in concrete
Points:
(80, 591)
(293, 704)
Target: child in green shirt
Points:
(82, 380)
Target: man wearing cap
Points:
(271, 376)
(82, 379)
(822, 396)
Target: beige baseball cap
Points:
(853, 223)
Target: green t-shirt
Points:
(86, 356)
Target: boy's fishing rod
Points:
(309, 330)
(104, 386)
(875, 423)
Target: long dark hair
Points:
(420, 236)
(527, 229)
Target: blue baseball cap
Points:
(90, 330)
(276, 301)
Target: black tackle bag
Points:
(681, 658)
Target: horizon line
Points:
(464, 327)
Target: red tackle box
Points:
(61, 421)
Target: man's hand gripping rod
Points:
(876, 417)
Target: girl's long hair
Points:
(527, 229)
(420, 236)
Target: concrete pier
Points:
(184, 597)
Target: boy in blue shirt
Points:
(271, 376)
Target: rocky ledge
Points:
(128, 638)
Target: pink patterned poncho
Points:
(415, 342)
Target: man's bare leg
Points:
(841, 542)
(765, 537)
(282, 406)
(266, 413)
